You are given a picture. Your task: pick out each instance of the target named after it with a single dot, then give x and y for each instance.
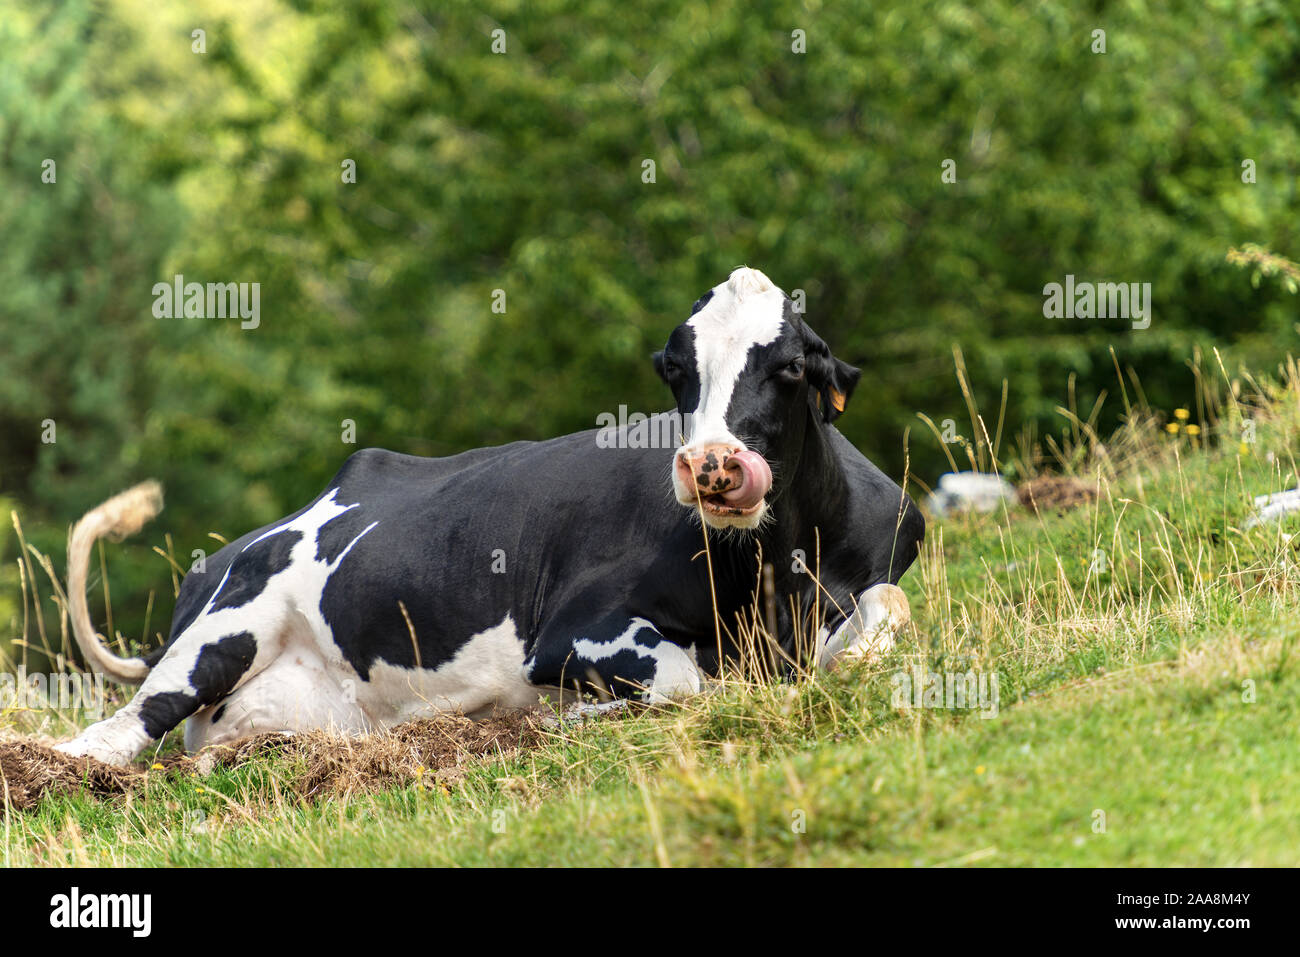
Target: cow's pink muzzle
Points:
(726, 481)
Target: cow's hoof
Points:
(869, 633)
(116, 740)
(78, 748)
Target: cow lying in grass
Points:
(478, 581)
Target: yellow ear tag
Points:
(837, 400)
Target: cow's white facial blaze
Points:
(744, 312)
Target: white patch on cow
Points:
(869, 632)
(746, 311)
(292, 593)
(676, 673)
(487, 672)
(296, 691)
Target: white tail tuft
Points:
(120, 516)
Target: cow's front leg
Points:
(626, 657)
(870, 629)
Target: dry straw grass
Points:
(432, 751)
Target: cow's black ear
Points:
(659, 364)
(832, 380)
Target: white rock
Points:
(970, 492)
(1269, 508)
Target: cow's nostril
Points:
(711, 468)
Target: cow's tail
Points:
(120, 516)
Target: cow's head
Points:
(750, 378)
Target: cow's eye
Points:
(671, 369)
(793, 368)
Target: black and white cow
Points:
(483, 580)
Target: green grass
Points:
(1184, 770)
(1147, 715)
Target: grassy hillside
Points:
(1144, 644)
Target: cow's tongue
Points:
(755, 480)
